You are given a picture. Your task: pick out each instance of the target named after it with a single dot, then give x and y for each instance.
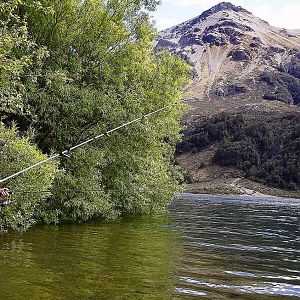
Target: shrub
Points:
(267, 152)
(78, 194)
(242, 154)
(282, 87)
(17, 153)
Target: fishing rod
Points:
(24, 191)
(8, 202)
(65, 152)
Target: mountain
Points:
(235, 55)
(240, 66)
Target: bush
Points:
(210, 131)
(29, 189)
(78, 194)
(242, 154)
(267, 152)
(282, 87)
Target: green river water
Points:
(205, 248)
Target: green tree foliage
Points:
(282, 87)
(17, 53)
(209, 131)
(17, 153)
(240, 153)
(89, 67)
(268, 152)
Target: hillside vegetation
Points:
(267, 151)
(69, 70)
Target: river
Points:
(206, 247)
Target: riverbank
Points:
(238, 186)
(256, 198)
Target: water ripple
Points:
(234, 247)
(267, 288)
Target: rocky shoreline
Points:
(268, 198)
(238, 187)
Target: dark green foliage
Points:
(282, 87)
(210, 131)
(237, 153)
(268, 152)
(293, 67)
(73, 69)
(17, 153)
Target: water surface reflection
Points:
(238, 248)
(121, 260)
(212, 248)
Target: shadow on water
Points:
(205, 248)
(120, 260)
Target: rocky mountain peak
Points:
(236, 55)
(222, 24)
(225, 6)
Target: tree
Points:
(29, 190)
(99, 71)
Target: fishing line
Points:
(8, 202)
(65, 152)
(64, 190)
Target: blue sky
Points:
(280, 13)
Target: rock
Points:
(186, 58)
(295, 53)
(235, 40)
(229, 24)
(277, 49)
(190, 39)
(229, 31)
(193, 74)
(214, 39)
(239, 55)
(236, 89)
(256, 42)
(164, 43)
(230, 90)
(223, 6)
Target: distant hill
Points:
(241, 66)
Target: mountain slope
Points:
(234, 56)
(241, 66)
